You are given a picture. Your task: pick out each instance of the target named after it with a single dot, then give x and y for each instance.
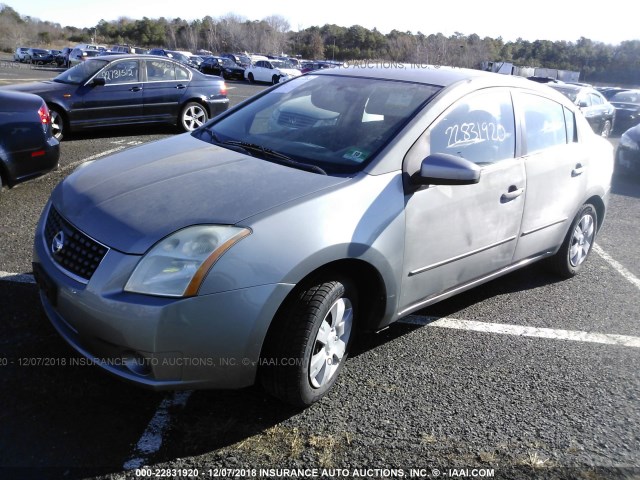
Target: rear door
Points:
(556, 165)
(166, 82)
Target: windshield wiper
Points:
(252, 149)
(278, 157)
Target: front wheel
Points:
(578, 243)
(308, 345)
(275, 79)
(250, 77)
(57, 124)
(606, 130)
(193, 116)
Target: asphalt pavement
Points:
(523, 377)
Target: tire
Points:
(58, 124)
(308, 344)
(577, 245)
(606, 130)
(275, 79)
(250, 78)
(192, 116)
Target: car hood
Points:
(133, 199)
(289, 71)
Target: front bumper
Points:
(209, 341)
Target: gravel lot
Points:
(445, 402)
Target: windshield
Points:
(81, 72)
(280, 64)
(227, 62)
(570, 93)
(337, 123)
(180, 57)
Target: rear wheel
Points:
(193, 116)
(308, 345)
(578, 243)
(250, 77)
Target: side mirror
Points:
(445, 169)
(583, 104)
(99, 81)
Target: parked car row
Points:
(33, 55)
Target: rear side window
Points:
(479, 128)
(544, 120)
(160, 71)
(181, 73)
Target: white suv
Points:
(20, 54)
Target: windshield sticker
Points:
(356, 155)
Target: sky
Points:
(538, 20)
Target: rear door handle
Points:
(135, 89)
(513, 192)
(577, 170)
(180, 86)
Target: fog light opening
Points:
(137, 364)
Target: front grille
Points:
(71, 249)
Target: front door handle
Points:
(180, 86)
(135, 89)
(512, 193)
(577, 170)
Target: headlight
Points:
(177, 265)
(627, 142)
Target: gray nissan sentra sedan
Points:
(257, 246)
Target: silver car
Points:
(255, 248)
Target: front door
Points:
(455, 234)
(118, 101)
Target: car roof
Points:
(427, 74)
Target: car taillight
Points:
(223, 89)
(45, 116)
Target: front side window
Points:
(125, 71)
(479, 128)
(544, 122)
(338, 123)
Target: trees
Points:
(597, 62)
